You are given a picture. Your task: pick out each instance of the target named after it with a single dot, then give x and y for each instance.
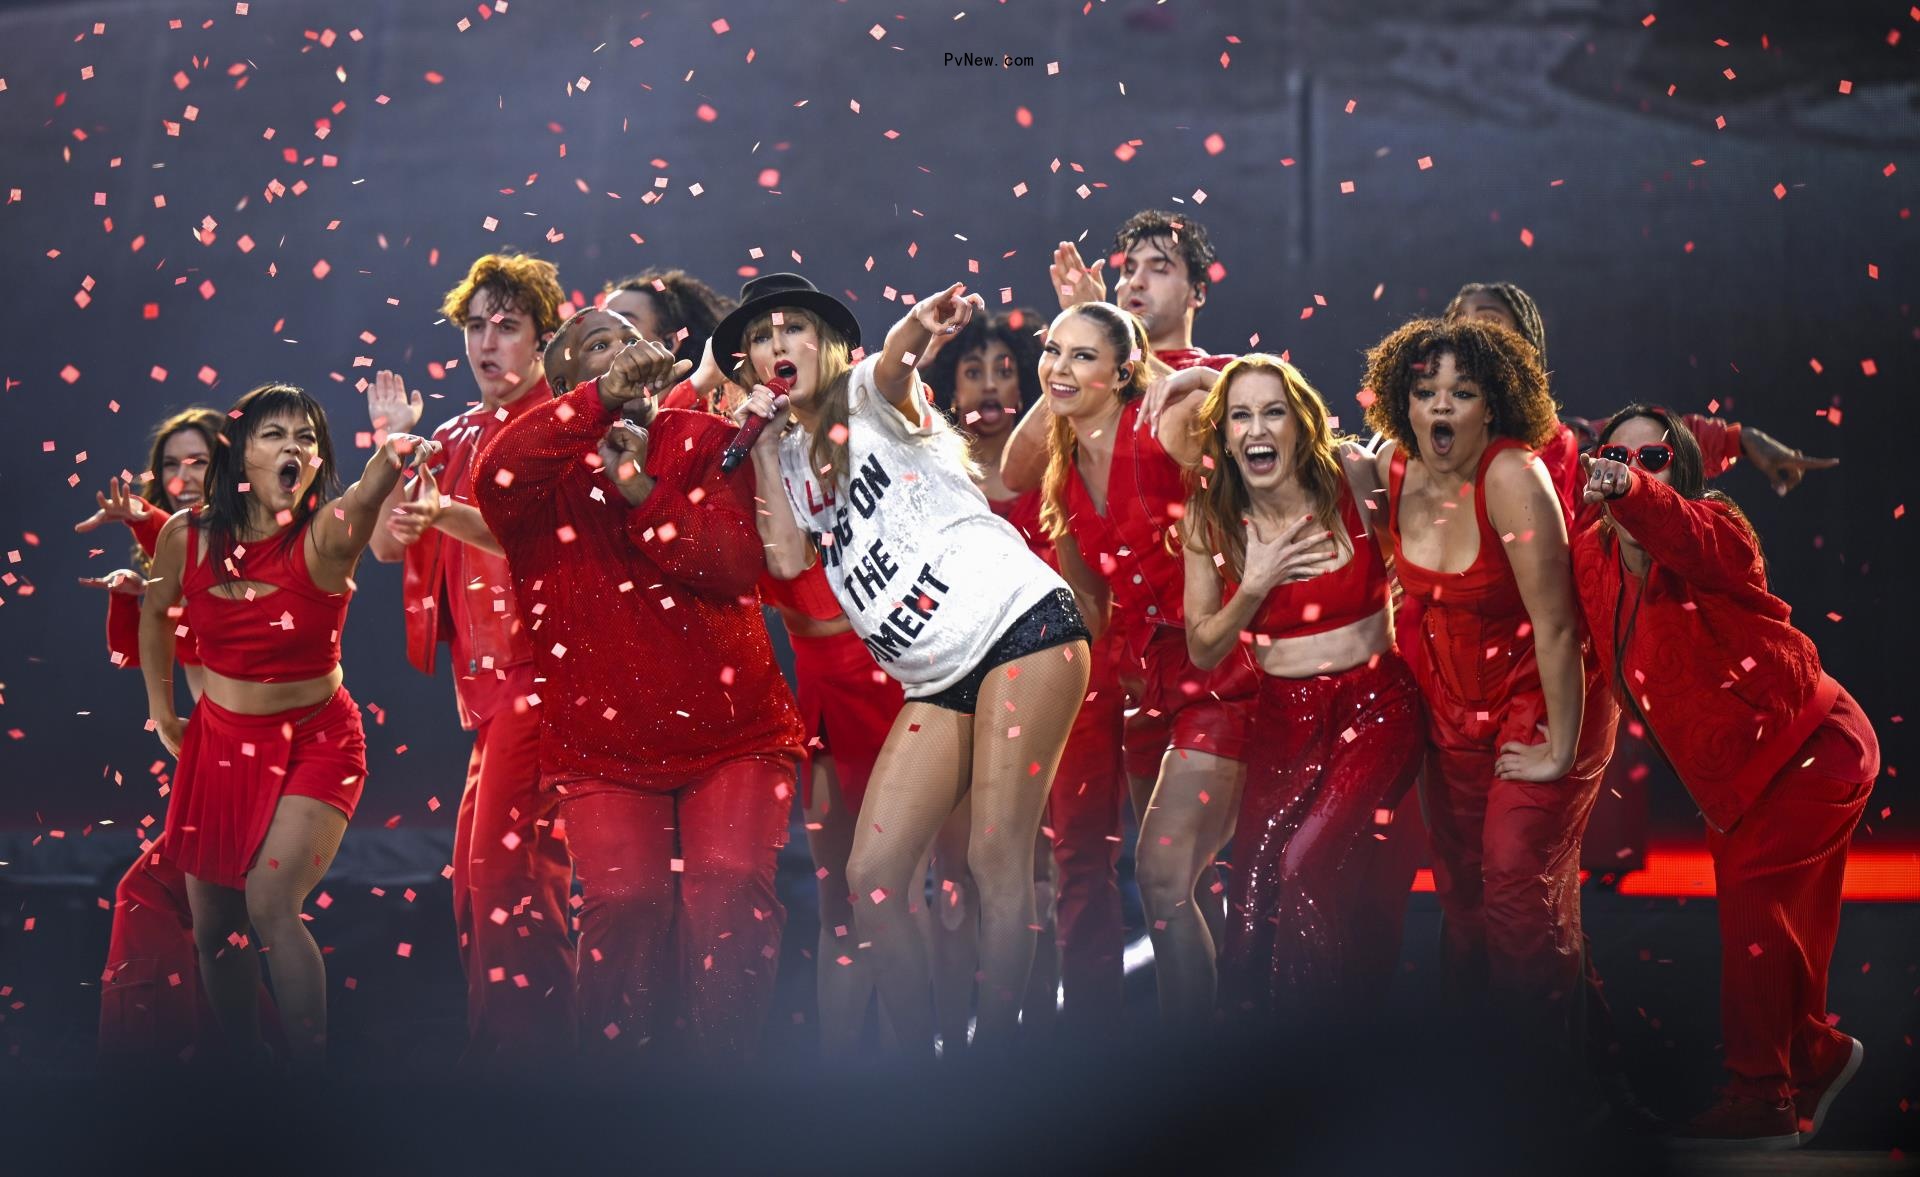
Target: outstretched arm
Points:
(942, 314)
(159, 618)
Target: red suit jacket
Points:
(653, 662)
(459, 594)
(1726, 684)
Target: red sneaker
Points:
(1742, 1122)
(1811, 1102)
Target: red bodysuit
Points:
(1506, 853)
(1320, 879)
(1130, 546)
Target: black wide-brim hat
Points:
(768, 293)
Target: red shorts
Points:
(1181, 706)
(234, 769)
(848, 705)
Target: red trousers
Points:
(510, 880)
(679, 923)
(1506, 854)
(1316, 855)
(1084, 814)
(1777, 875)
(153, 1008)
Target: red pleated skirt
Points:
(234, 769)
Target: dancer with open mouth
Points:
(984, 638)
(1114, 500)
(1520, 733)
(273, 760)
(510, 868)
(145, 1018)
(1278, 546)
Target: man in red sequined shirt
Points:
(666, 729)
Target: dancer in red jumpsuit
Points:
(1166, 265)
(667, 733)
(983, 379)
(510, 868)
(1277, 523)
(1519, 735)
(1778, 756)
(152, 1005)
(272, 760)
(847, 704)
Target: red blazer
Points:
(1728, 687)
(459, 594)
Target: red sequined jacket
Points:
(653, 663)
(1728, 687)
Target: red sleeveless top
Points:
(1487, 585)
(1351, 592)
(1023, 513)
(287, 635)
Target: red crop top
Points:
(808, 594)
(287, 635)
(1350, 593)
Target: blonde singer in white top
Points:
(857, 467)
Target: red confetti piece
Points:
(1526, 237)
(1779, 191)
(1215, 144)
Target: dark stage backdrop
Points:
(1712, 204)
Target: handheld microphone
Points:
(742, 443)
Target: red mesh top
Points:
(286, 633)
(1351, 592)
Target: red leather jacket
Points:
(1726, 684)
(459, 594)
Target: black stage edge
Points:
(1403, 1087)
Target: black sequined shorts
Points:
(1053, 621)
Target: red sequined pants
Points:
(679, 923)
(1321, 874)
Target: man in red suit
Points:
(510, 868)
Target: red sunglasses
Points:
(1653, 457)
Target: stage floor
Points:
(401, 1024)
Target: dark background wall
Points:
(137, 169)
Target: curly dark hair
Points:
(685, 304)
(1015, 330)
(1501, 362)
(1188, 235)
(1519, 304)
